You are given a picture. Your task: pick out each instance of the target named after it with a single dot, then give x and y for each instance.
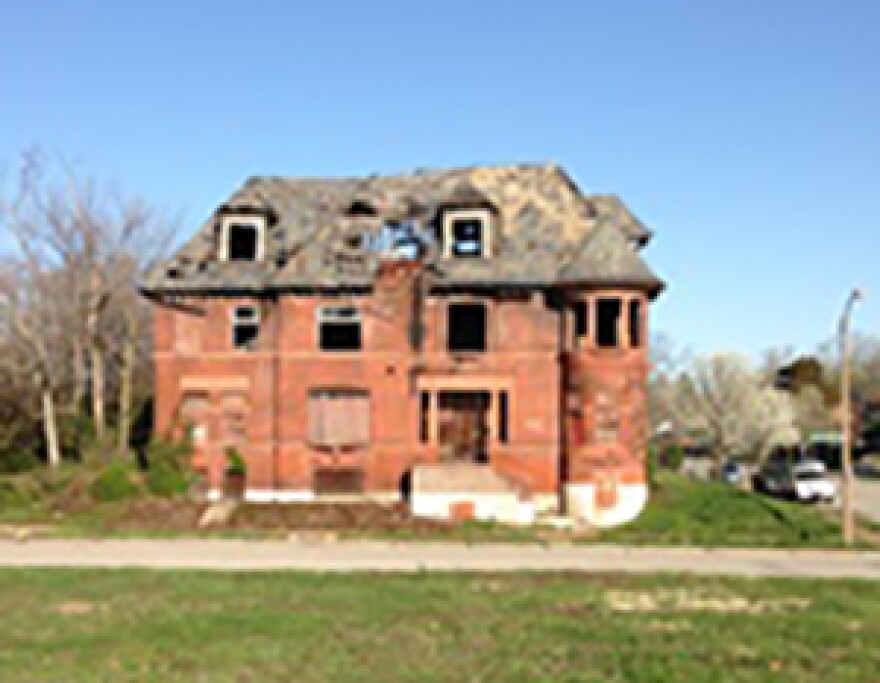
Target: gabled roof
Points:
(606, 257)
(543, 226)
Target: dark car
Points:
(731, 472)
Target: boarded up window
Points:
(193, 409)
(194, 403)
(607, 417)
(235, 414)
(339, 480)
(339, 417)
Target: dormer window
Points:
(243, 238)
(467, 234)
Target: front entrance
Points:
(463, 426)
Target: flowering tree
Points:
(723, 398)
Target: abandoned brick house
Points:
(469, 339)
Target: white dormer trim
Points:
(451, 216)
(258, 222)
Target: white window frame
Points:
(257, 222)
(451, 216)
(253, 318)
(330, 313)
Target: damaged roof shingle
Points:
(546, 232)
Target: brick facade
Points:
(574, 411)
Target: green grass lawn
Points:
(683, 511)
(131, 625)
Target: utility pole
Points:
(846, 418)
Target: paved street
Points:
(344, 556)
(866, 496)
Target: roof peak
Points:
(418, 171)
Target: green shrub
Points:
(11, 496)
(673, 457)
(168, 467)
(235, 463)
(76, 435)
(171, 452)
(15, 461)
(166, 481)
(115, 482)
(651, 466)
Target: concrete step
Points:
(460, 478)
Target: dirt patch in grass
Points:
(684, 600)
(74, 608)
(169, 516)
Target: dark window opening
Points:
(635, 323)
(581, 321)
(467, 238)
(466, 330)
(339, 329)
(607, 317)
(242, 239)
(424, 416)
(502, 417)
(334, 481)
(245, 327)
(360, 208)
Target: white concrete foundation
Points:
(581, 504)
(498, 507)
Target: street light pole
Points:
(846, 418)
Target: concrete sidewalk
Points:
(381, 556)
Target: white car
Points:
(810, 482)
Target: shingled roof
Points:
(547, 232)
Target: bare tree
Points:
(32, 312)
(69, 296)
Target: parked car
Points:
(804, 480)
(811, 482)
(732, 472)
(868, 467)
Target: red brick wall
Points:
(194, 354)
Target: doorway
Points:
(463, 426)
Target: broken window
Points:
(339, 328)
(242, 241)
(466, 329)
(424, 416)
(245, 327)
(360, 208)
(467, 237)
(607, 319)
(635, 323)
(466, 234)
(502, 417)
(581, 321)
(339, 417)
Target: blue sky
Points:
(745, 133)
